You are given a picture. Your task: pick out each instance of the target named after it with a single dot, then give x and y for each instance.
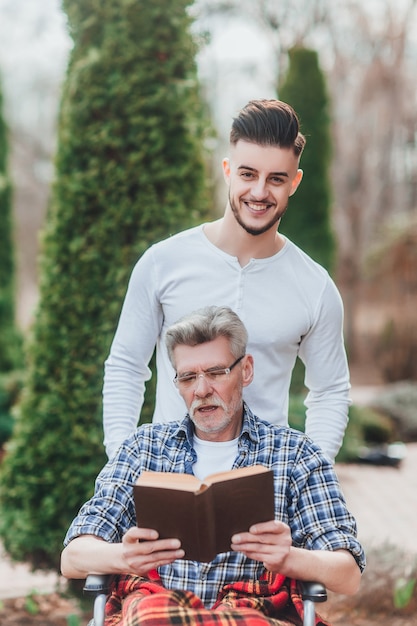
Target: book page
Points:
(235, 473)
(169, 480)
(188, 482)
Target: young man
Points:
(312, 537)
(288, 303)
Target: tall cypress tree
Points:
(10, 344)
(129, 171)
(307, 221)
(11, 354)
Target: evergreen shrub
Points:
(399, 401)
(308, 220)
(10, 337)
(11, 385)
(366, 426)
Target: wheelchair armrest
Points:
(311, 592)
(97, 585)
(315, 592)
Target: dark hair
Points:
(268, 123)
(205, 325)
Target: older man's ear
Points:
(247, 370)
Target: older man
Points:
(313, 536)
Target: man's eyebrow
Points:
(205, 369)
(253, 169)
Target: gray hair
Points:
(205, 325)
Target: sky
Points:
(34, 49)
(236, 67)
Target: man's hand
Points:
(139, 552)
(269, 542)
(143, 551)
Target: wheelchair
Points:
(97, 586)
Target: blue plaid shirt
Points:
(307, 497)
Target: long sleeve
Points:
(327, 375)
(126, 368)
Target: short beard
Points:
(229, 412)
(255, 231)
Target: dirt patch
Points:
(42, 609)
(347, 612)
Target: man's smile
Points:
(258, 208)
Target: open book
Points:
(204, 514)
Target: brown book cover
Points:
(204, 514)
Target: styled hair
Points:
(205, 325)
(268, 123)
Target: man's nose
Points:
(259, 189)
(202, 386)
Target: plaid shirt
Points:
(307, 497)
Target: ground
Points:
(42, 610)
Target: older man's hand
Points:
(269, 542)
(143, 551)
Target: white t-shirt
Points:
(289, 305)
(213, 456)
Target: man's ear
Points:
(247, 370)
(296, 181)
(226, 169)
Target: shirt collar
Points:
(249, 426)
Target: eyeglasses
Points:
(213, 375)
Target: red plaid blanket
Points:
(136, 601)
